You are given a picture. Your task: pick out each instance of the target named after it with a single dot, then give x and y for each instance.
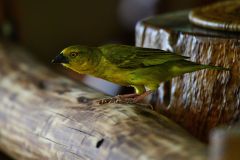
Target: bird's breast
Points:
(113, 74)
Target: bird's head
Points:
(78, 58)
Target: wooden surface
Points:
(201, 100)
(46, 116)
(218, 16)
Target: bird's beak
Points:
(60, 59)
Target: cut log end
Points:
(201, 100)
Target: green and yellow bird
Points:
(128, 66)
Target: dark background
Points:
(46, 27)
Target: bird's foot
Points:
(132, 95)
(127, 99)
(124, 101)
(107, 100)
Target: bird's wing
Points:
(135, 57)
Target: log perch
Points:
(201, 100)
(46, 116)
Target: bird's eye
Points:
(73, 54)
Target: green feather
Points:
(125, 56)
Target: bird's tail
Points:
(202, 66)
(187, 66)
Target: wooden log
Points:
(201, 100)
(46, 116)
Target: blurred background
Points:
(45, 27)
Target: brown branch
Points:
(46, 116)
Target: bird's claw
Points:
(107, 100)
(116, 99)
(119, 99)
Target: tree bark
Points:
(204, 99)
(46, 116)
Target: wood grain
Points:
(218, 16)
(46, 116)
(201, 100)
